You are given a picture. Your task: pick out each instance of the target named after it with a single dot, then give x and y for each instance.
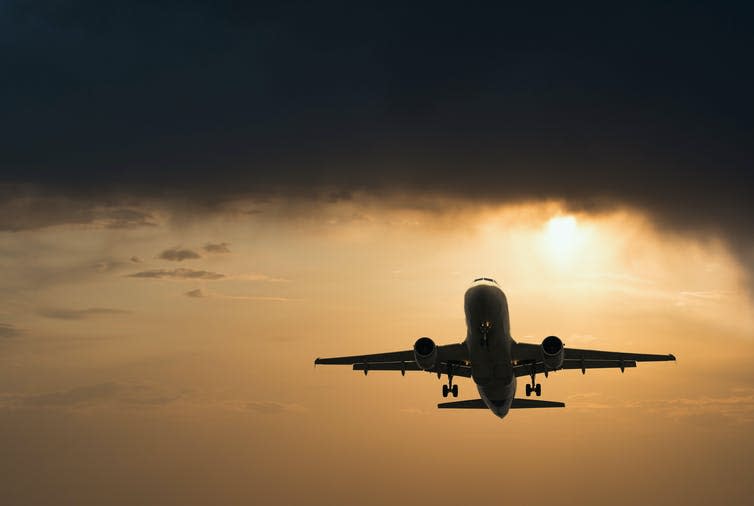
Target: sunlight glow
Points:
(562, 239)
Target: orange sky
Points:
(129, 378)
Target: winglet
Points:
(316, 361)
(671, 356)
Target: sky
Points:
(198, 199)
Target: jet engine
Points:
(425, 353)
(552, 353)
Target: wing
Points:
(451, 358)
(528, 358)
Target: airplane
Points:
(491, 357)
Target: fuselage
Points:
(489, 341)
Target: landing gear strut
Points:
(534, 386)
(450, 388)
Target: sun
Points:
(562, 239)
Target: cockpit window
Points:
(485, 279)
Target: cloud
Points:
(201, 294)
(25, 207)
(265, 407)
(125, 218)
(736, 407)
(256, 276)
(109, 265)
(136, 259)
(179, 273)
(80, 314)
(178, 254)
(8, 330)
(483, 120)
(221, 247)
(93, 395)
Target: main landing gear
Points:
(450, 388)
(534, 386)
(447, 389)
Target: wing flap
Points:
(458, 370)
(539, 367)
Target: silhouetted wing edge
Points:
(458, 370)
(539, 367)
(445, 353)
(532, 352)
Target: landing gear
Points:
(537, 389)
(534, 386)
(450, 388)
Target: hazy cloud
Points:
(8, 330)
(23, 207)
(265, 407)
(91, 395)
(199, 293)
(126, 218)
(221, 247)
(178, 254)
(79, 314)
(180, 273)
(136, 259)
(109, 265)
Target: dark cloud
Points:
(8, 330)
(127, 218)
(221, 247)
(80, 314)
(600, 107)
(136, 259)
(91, 395)
(179, 273)
(178, 254)
(24, 207)
(195, 293)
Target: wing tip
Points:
(671, 357)
(316, 361)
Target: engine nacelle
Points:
(552, 353)
(425, 353)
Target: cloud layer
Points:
(178, 254)
(80, 314)
(180, 273)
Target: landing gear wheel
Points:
(454, 390)
(538, 389)
(445, 390)
(528, 390)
